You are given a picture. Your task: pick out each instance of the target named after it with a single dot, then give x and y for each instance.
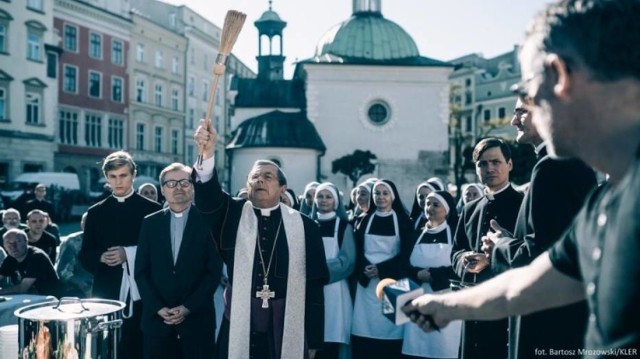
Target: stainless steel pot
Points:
(70, 328)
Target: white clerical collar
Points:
(384, 214)
(539, 147)
(491, 195)
(123, 198)
(266, 212)
(437, 229)
(179, 214)
(326, 216)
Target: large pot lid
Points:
(66, 309)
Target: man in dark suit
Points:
(275, 259)
(40, 202)
(557, 191)
(501, 201)
(177, 270)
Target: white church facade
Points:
(367, 87)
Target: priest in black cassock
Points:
(557, 191)
(110, 243)
(275, 259)
(492, 157)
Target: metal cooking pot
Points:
(70, 328)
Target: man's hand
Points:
(177, 315)
(476, 262)
(371, 271)
(491, 239)
(165, 314)
(425, 310)
(205, 138)
(312, 353)
(114, 256)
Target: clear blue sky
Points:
(443, 29)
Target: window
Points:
(94, 84)
(116, 89)
(206, 62)
(205, 91)
(116, 133)
(70, 38)
(52, 64)
(157, 95)
(487, 115)
(140, 53)
(93, 130)
(140, 91)
(467, 82)
(502, 113)
(174, 99)
(172, 20)
(175, 63)
(192, 118)
(33, 102)
(116, 53)
(34, 44)
(157, 140)
(68, 128)
(174, 141)
(140, 129)
(3, 104)
(379, 113)
(190, 154)
(70, 81)
(95, 45)
(469, 122)
(191, 86)
(34, 5)
(159, 59)
(3, 36)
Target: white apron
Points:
(445, 343)
(337, 300)
(368, 320)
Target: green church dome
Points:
(368, 36)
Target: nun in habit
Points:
(382, 244)
(306, 202)
(430, 265)
(340, 251)
(363, 201)
(417, 209)
(289, 198)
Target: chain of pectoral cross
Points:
(265, 294)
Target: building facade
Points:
(29, 75)
(92, 114)
(366, 88)
(157, 108)
(481, 105)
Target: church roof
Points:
(277, 129)
(269, 93)
(367, 35)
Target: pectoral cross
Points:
(265, 294)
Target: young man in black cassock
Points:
(109, 245)
(557, 191)
(275, 260)
(501, 202)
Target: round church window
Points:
(379, 113)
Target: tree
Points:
(355, 165)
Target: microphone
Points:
(396, 294)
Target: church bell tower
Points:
(270, 60)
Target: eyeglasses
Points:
(521, 89)
(184, 183)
